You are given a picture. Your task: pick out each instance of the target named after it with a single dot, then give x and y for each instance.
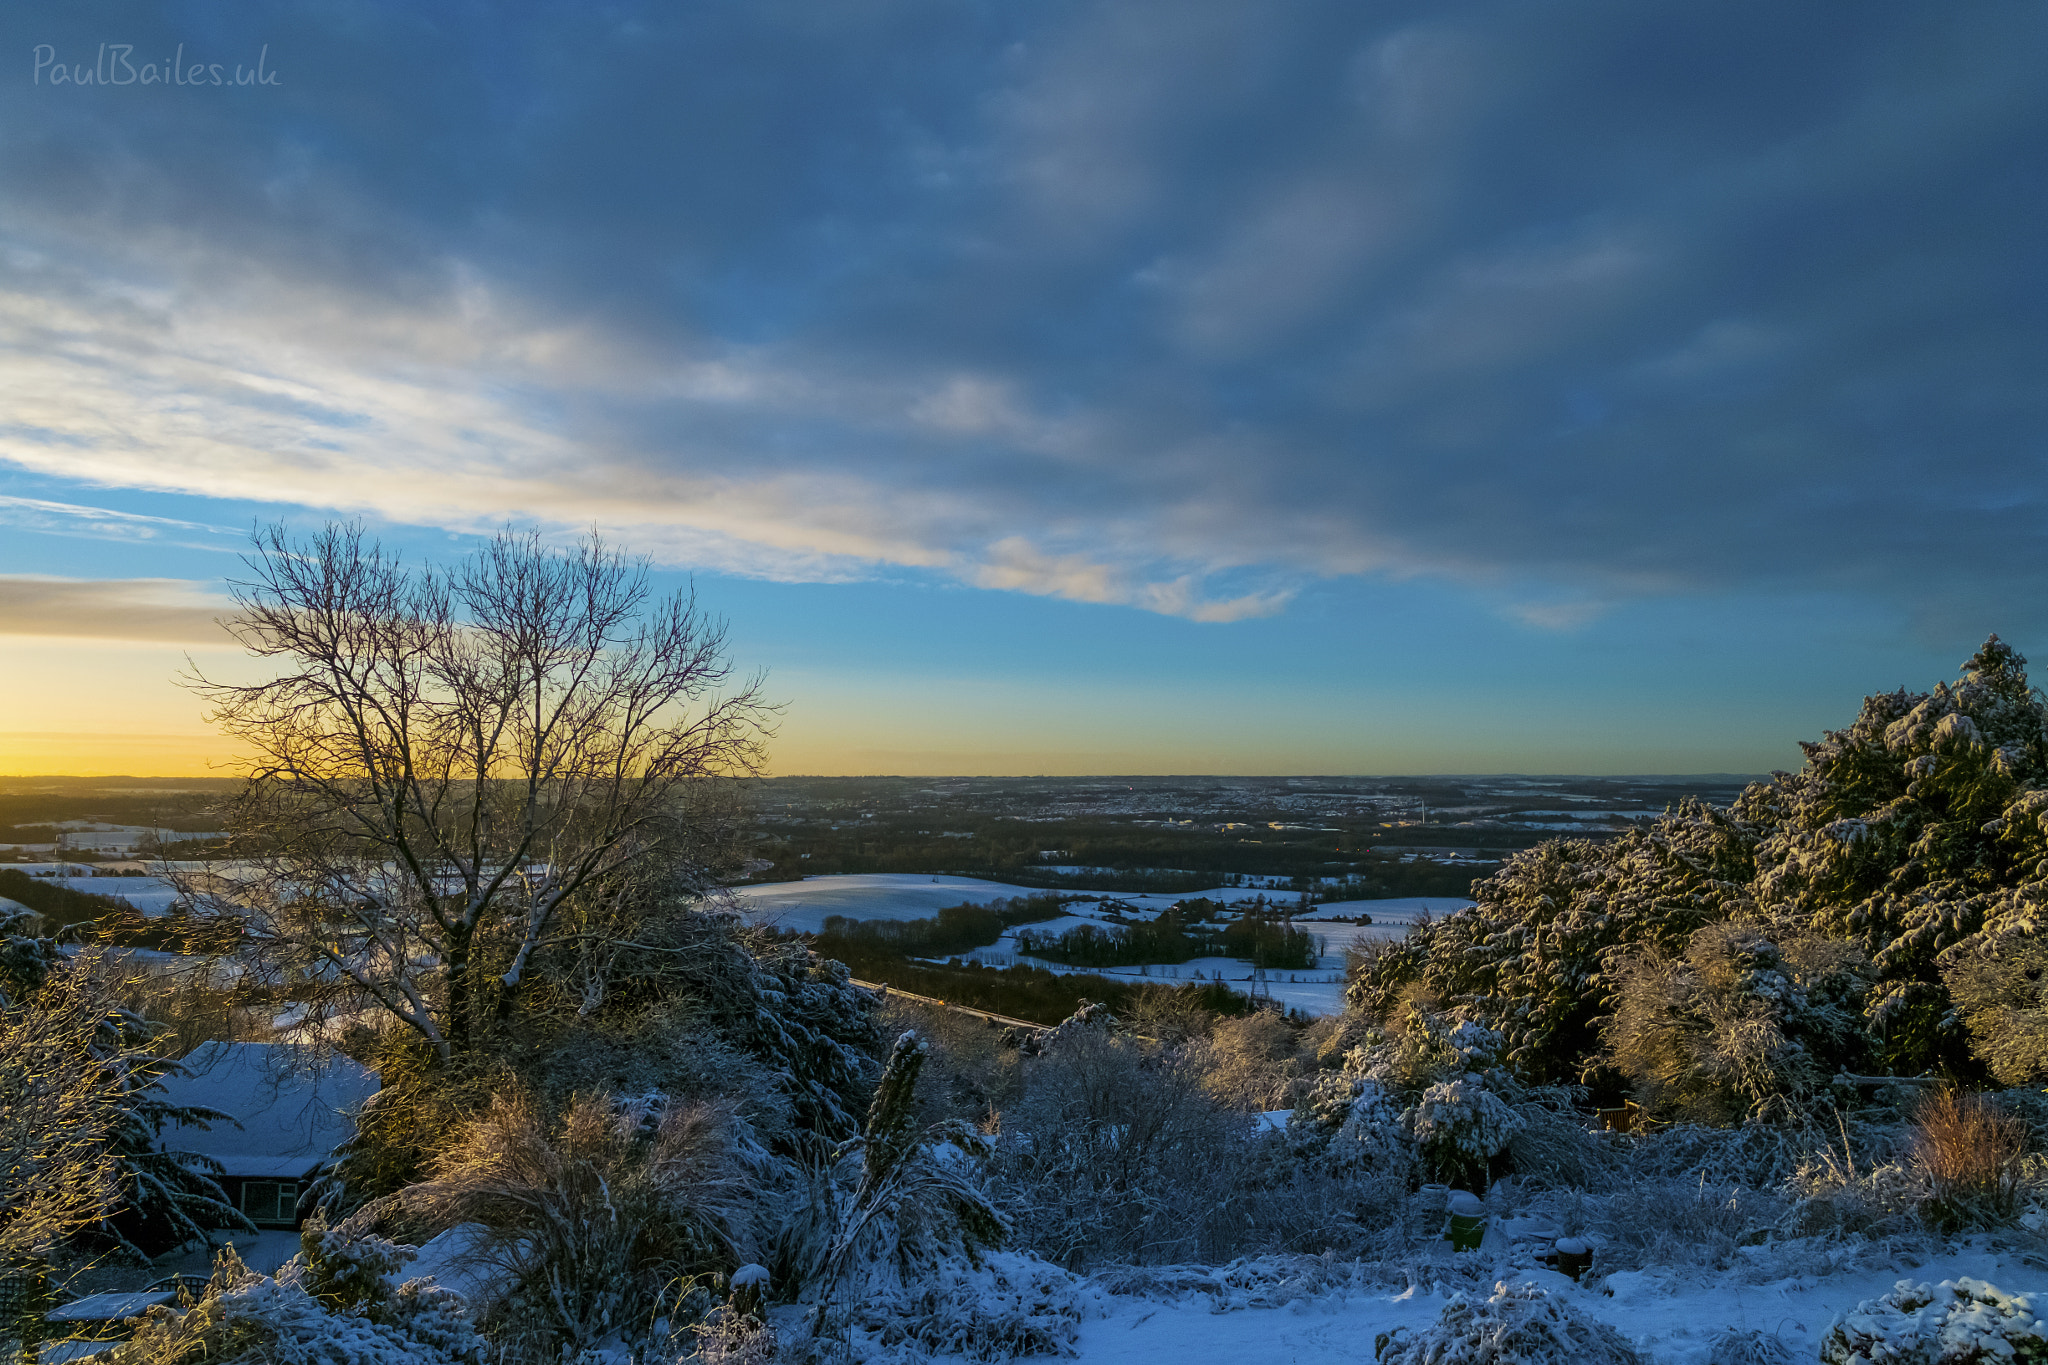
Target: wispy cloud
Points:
(102, 523)
(144, 609)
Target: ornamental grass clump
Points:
(1972, 1154)
(1520, 1324)
(595, 1215)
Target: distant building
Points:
(296, 1107)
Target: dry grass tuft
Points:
(595, 1215)
(1971, 1152)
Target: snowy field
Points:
(805, 905)
(1281, 1312)
(150, 895)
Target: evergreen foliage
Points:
(1846, 902)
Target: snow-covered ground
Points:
(150, 895)
(805, 905)
(1306, 1314)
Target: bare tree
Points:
(453, 765)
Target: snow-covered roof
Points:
(295, 1105)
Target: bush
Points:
(2000, 986)
(1114, 1154)
(243, 1316)
(595, 1219)
(896, 1204)
(1251, 1061)
(1519, 1325)
(1971, 1152)
(1011, 1305)
(1958, 1322)
(1459, 1127)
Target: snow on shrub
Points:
(244, 1316)
(1520, 1324)
(1957, 1322)
(1459, 1126)
(1012, 1305)
(1747, 1346)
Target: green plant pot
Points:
(1467, 1230)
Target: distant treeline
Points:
(956, 929)
(109, 919)
(60, 906)
(1033, 993)
(1261, 942)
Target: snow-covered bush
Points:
(898, 1203)
(1459, 1127)
(596, 1215)
(1747, 1346)
(348, 1267)
(1528, 959)
(243, 1316)
(1684, 1222)
(1252, 1061)
(1114, 1153)
(1957, 1322)
(2000, 987)
(1553, 1147)
(1750, 1016)
(1519, 1324)
(1011, 1305)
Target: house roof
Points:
(296, 1105)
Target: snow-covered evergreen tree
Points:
(1918, 836)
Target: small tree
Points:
(452, 765)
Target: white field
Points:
(804, 906)
(150, 895)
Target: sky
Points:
(1267, 386)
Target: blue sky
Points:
(1072, 387)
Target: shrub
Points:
(243, 1316)
(1740, 1346)
(1114, 1154)
(1519, 1324)
(1459, 1127)
(1957, 1322)
(1971, 1152)
(1011, 1305)
(596, 1218)
(1685, 1223)
(1251, 1061)
(2000, 986)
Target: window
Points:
(271, 1201)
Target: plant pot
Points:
(1574, 1257)
(1467, 1231)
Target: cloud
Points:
(1180, 306)
(141, 609)
(101, 523)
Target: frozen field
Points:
(150, 895)
(804, 905)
